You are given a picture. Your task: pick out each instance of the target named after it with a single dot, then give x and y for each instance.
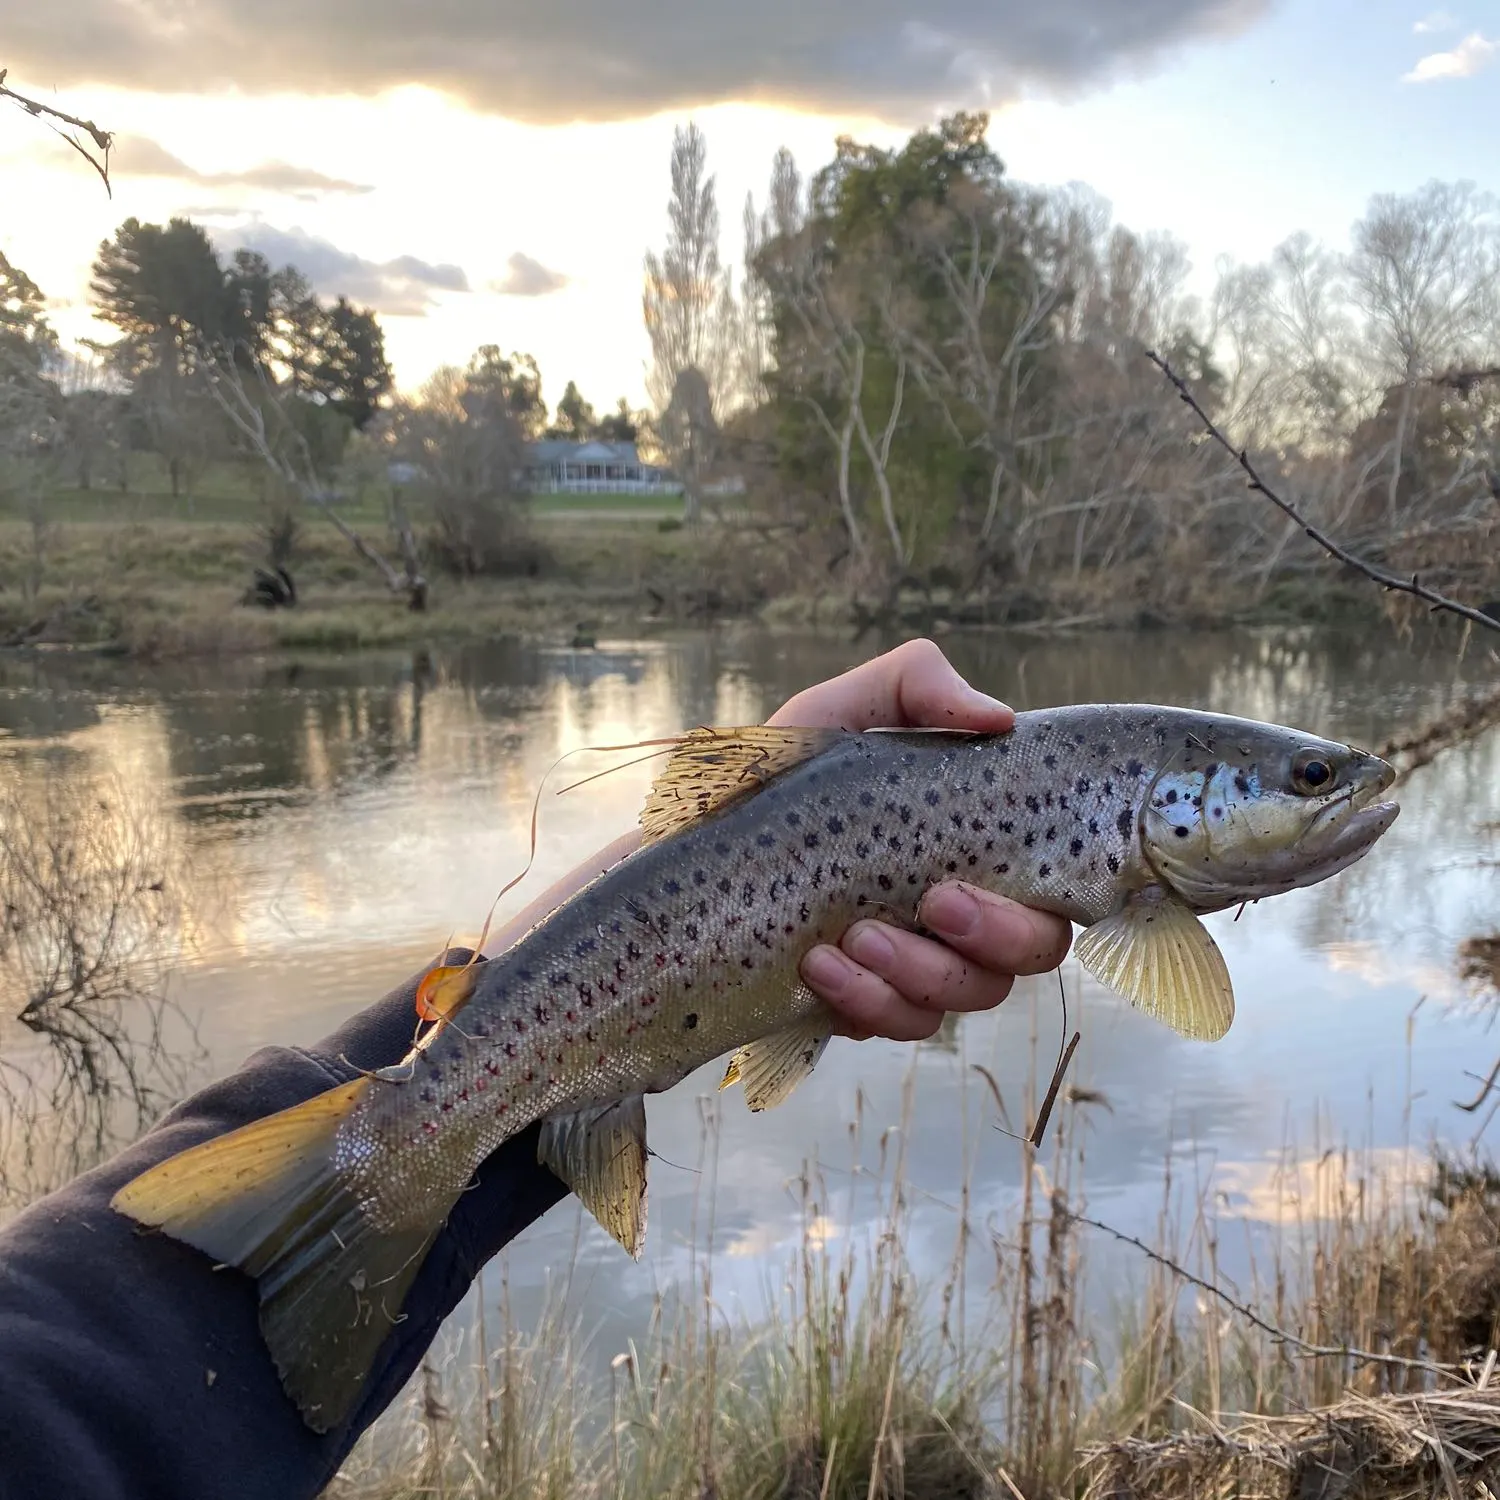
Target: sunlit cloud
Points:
(527, 277)
(1471, 55)
(1437, 20)
(401, 287)
(139, 156)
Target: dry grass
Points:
(1354, 1356)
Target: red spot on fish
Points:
(599, 1061)
(429, 1127)
(480, 1085)
(492, 1068)
(571, 1015)
(661, 960)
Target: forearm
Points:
(129, 1366)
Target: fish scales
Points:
(761, 843)
(688, 948)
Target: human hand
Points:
(880, 979)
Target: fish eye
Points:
(1311, 772)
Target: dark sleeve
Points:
(130, 1367)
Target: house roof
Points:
(564, 450)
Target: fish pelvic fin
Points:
(711, 768)
(601, 1154)
(268, 1198)
(771, 1068)
(1162, 959)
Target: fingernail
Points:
(869, 946)
(826, 969)
(950, 910)
(984, 702)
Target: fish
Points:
(1131, 821)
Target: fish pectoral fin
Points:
(270, 1199)
(601, 1154)
(1162, 959)
(772, 1067)
(710, 768)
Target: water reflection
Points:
(340, 818)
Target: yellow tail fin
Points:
(268, 1198)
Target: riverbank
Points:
(1361, 1354)
(153, 581)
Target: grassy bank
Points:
(1355, 1363)
(151, 575)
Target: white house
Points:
(559, 464)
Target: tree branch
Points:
(1387, 580)
(103, 139)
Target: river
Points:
(333, 820)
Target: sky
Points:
(493, 171)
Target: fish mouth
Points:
(1356, 818)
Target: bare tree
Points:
(1425, 271)
(54, 118)
(691, 314)
(262, 415)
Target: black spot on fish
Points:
(1044, 870)
(1094, 827)
(933, 796)
(1109, 789)
(884, 882)
(1081, 786)
(584, 945)
(951, 866)
(540, 1012)
(867, 799)
(699, 878)
(793, 819)
(1077, 739)
(977, 824)
(862, 849)
(1242, 784)
(524, 975)
(1003, 868)
(1030, 840)
(1171, 794)
(1211, 770)
(810, 841)
(1051, 833)
(1050, 761)
(1033, 805)
(764, 840)
(1006, 826)
(632, 950)
(835, 825)
(987, 776)
(690, 1020)
(1076, 848)
(1135, 768)
(1114, 864)
(1181, 833)
(692, 931)
(1125, 822)
(724, 886)
(559, 979)
(671, 888)
(908, 759)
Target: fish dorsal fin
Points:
(772, 1067)
(601, 1154)
(1161, 958)
(710, 768)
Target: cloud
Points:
(525, 277)
(601, 60)
(140, 156)
(1437, 20)
(1463, 61)
(402, 287)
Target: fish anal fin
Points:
(1161, 958)
(771, 1068)
(710, 768)
(269, 1199)
(601, 1154)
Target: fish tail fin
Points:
(269, 1199)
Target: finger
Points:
(866, 1004)
(994, 932)
(913, 686)
(926, 974)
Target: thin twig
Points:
(1412, 585)
(103, 139)
(1317, 1351)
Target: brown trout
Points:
(759, 844)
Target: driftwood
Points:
(1433, 1446)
